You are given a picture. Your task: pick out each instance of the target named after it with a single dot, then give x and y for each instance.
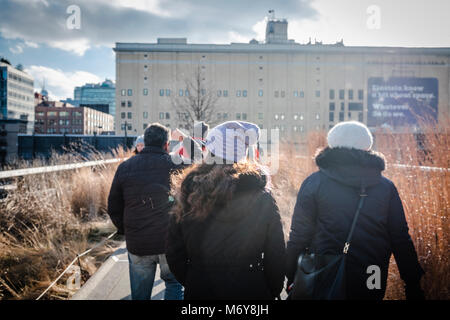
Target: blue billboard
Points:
(400, 101)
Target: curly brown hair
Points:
(203, 188)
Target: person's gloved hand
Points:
(414, 292)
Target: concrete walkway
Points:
(112, 281)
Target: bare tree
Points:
(197, 102)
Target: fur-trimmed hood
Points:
(205, 188)
(351, 167)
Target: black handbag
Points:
(322, 276)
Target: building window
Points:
(238, 116)
(145, 92)
(302, 94)
(283, 94)
(260, 67)
(129, 126)
(129, 104)
(225, 116)
(123, 92)
(238, 93)
(295, 93)
(260, 116)
(317, 116)
(129, 115)
(244, 116)
(186, 93)
(342, 94)
(161, 92)
(276, 94)
(332, 106)
(203, 92)
(219, 93)
(331, 94)
(180, 92)
(331, 116)
(161, 115)
(342, 106)
(122, 115)
(317, 93)
(145, 114)
(260, 93)
(355, 106)
(276, 116)
(130, 92)
(168, 92)
(360, 117)
(145, 68)
(144, 126)
(225, 93)
(360, 94)
(244, 93)
(350, 94)
(167, 115)
(219, 116)
(282, 116)
(341, 116)
(123, 104)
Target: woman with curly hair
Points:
(225, 236)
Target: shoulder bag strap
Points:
(362, 196)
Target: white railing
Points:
(61, 167)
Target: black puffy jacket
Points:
(221, 257)
(324, 211)
(138, 202)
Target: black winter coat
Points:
(221, 256)
(324, 211)
(138, 202)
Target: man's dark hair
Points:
(156, 135)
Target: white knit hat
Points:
(350, 134)
(230, 140)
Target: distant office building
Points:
(100, 96)
(280, 84)
(55, 117)
(9, 129)
(16, 94)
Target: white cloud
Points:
(18, 49)
(31, 44)
(58, 83)
(403, 23)
(151, 6)
(78, 46)
(236, 37)
(260, 29)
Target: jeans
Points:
(142, 276)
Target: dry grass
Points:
(425, 197)
(49, 219)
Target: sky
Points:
(36, 33)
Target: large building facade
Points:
(16, 95)
(280, 84)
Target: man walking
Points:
(138, 205)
